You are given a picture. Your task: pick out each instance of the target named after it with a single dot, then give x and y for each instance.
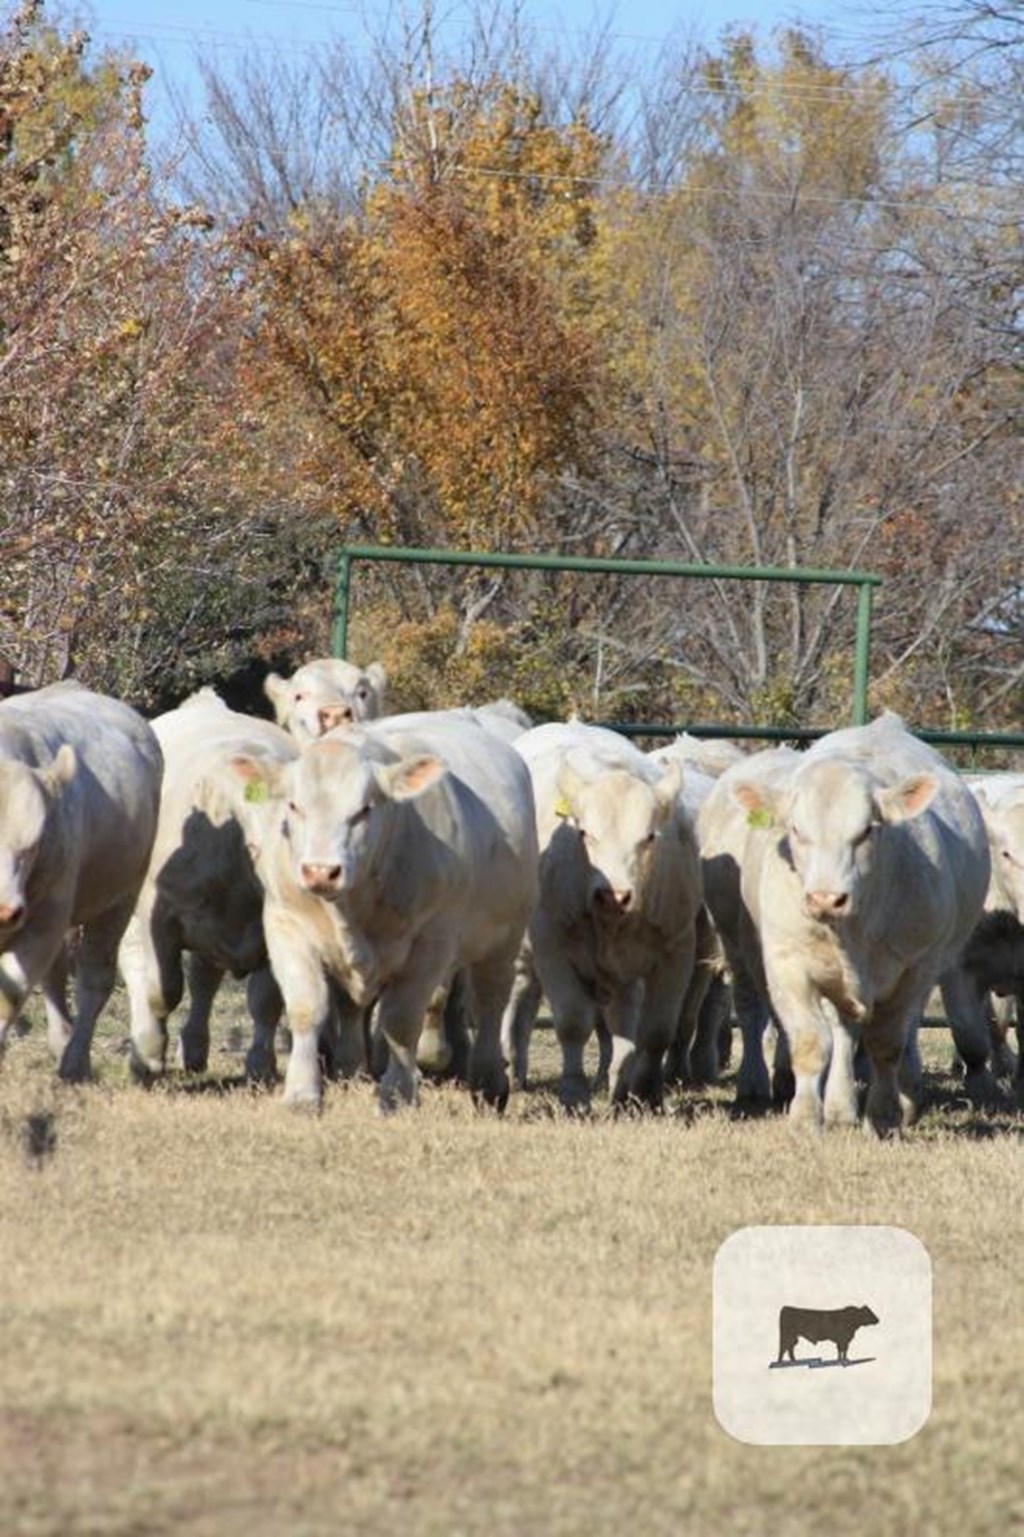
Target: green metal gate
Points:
(864, 581)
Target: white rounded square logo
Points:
(822, 1336)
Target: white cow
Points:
(325, 693)
(732, 840)
(201, 898)
(864, 898)
(710, 756)
(79, 795)
(703, 1042)
(401, 853)
(613, 933)
(994, 956)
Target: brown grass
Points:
(222, 1318)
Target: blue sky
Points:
(167, 33)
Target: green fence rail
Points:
(864, 581)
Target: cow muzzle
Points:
(323, 880)
(827, 906)
(612, 901)
(12, 916)
(330, 716)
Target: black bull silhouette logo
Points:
(816, 1324)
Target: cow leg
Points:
(753, 1085)
(30, 958)
(518, 1018)
(489, 982)
(574, 1014)
(204, 978)
(622, 1016)
(59, 1024)
(150, 960)
(307, 1001)
(602, 1073)
(265, 1005)
(692, 1056)
(807, 1025)
(714, 1031)
(679, 1057)
(433, 1053)
(840, 1108)
(457, 1029)
(885, 1036)
(964, 1001)
(343, 1037)
(783, 1082)
(911, 1074)
(663, 994)
(95, 975)
(400, 1012)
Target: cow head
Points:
(325, 694)
(26, 796)
(1005, 826)
(337, 808)
(831, 815)
(618, 819)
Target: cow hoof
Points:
(189, 1059)
(980, 1086)
(433, 1055)
(304, 1099)
(260, 1069)
(144, 1070)
(841, 1114)
(805, 1112)
(574, 1096)
(783, 1088)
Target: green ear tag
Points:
(759, 818)
(256, 790)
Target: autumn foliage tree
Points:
(124, 558)
(746, 306)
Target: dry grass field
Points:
(223, 1319)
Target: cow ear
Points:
(260, 780)
(670, 786)
(899, 803)
(379, 679)
(568, 784)
(760, 803)
(63, 768)
(276, 689)
(406, 780)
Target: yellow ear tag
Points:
(256, 790)
(759, 818)
(562, 807)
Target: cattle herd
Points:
(402, 892)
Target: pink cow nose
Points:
(320, 878)
(333, 715)
(827, 904)
(11, 916)
(612, 900)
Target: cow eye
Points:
(863, 835)
(359, 816)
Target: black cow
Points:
(815, 1324)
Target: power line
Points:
(817, 93)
